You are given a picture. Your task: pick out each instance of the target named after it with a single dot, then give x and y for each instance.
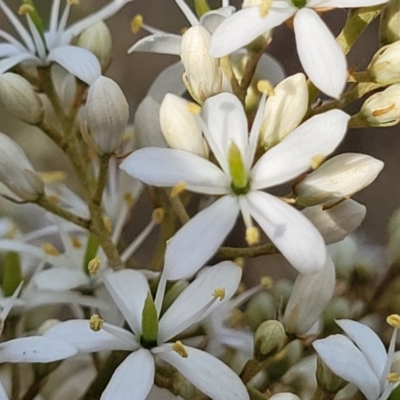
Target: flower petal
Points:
(167, 167)
(60, 279)
(166, 43)
(36, 349)
(10, 62)
(346, 360)
(132, 379)
(77, 61)
(318, 136)
(200, 238)
(321, 56)
(129, 290)
(207, 373)
(79, 334)
(3, 393)
(212, 19)
(295, 237)
(345, 3)
(186, 309)
(368, 342)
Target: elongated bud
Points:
(337, 178)
(17, 173)
(203, 77)
(269, 338)
(385, 65)
(335, 223)
(179, 126)
(383, 108)
(389, 29)
(290, 98)
(97, 39)
(327, 380)
(19, 98)
(107, 114)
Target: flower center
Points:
(299, 3)
(239, 180)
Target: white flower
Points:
(43, 48)
(135, 376)
(240, 184)
(361, 360)
(319, 53)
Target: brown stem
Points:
(231, 253)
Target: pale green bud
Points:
(97, 39)
(327, 380)
(389, 29)
(383, 108)
(19, 98)
(338, 308)
(269, 338)
(260, 308)
(203, 77)
(149, 323)
(385, 65)
(282, 291)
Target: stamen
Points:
(266, 87)
(383, 111)
(393, 377)
(94, 266)
(252, 236)
(26, 9)
(76, 242)
(158, 215)
(53, 176)
(49, 249)
(180, 349)
(194, 108)
(264, 8)
(219, 293)
(393, 320)
(239, 261)
(128, 198)
(73, 2)
(178, 189)
(317, 160)
(96, 323)
(267, 282)
(137, 23)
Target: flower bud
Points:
(106, 114)
(269, 338)
(338, 308)
(290, 99)
(383, 108)
(385, 65)
(203, 77)
(389, 29)
(17, 173)
(337, 178)
(19, 98)
(179, 126)
(259, 309)
(336, 222)
(327, 380)
(97, 39)
(284, 396)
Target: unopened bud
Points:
(327, 380)
(260, 308)
(107, 114)
(269, 338)
(17, 173)
(179, 126)
(203, 77)
(385, 65)
(389, 29)
(19, 98)
(97, 39)
(338, 308)
(284, 396)
(383, 108)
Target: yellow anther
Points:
(107, 223)
(73, 2)
(178, 189)
(383, 111)
(26, 9)
(94, 266)
(53, 176)
(393, 320)
(128, 198)
(219, 293)
(137, 23)
(237, 319)
(266, 87)
(317, 160)
(180, 349)
(53, 198)
(193, 108)
(96, 323)
(76, 243)
(158, 215)
(252, 236)
(49, 249)
(239, 261)
(267, 282)
(264, 8)
(393, 377)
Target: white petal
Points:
(158, 43)
(196, 296)
(60, 279)
(10, 62)
(212, 19)
(36, 349)
(8, 50)
(167, 167)
(318, 136)
(271, 69)
(129, 290)
(310, 295)
(368, 342)
(207, 373)
(133, 379)
(295, 237)
(78, 62)
(78, 333)
(3, 393)
(200, 238)
(243, 27)
(346, 360)
(321, 56)
(346, 3)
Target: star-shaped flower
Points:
(240, 183)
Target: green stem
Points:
(231, 253)
(102, 179)
(179, 209)
(321, 394)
